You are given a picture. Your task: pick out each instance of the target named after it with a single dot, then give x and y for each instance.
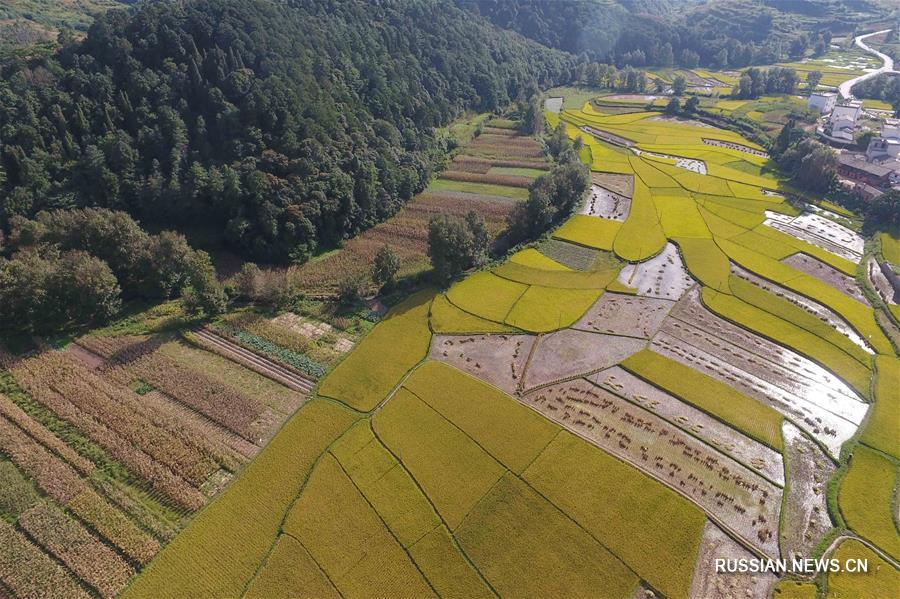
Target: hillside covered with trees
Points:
(289, 125)
(688, 33)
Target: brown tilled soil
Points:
(314, 329)
(303, 326)
(742, 499)
(568, 353)
(715, 433)
(498, 359)
(627, 315)
(89, 358)
(279, 373)
(406, 233)
(620, 184)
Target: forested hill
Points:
(288, 125)
(717, 33)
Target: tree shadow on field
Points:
(137, 350)
(411, 303)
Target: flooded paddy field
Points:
(663, 276)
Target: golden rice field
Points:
(599, 414)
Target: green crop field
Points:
(290, 571)
(641, 517)
(881, 580)
(447, 318)
(397, 344)
(543, 309)
(589, 231)
(535, 259)
(679, 215)
(560, 279)
(570, 561)
(515, 193)
(516, 171)
(226, 543)
(385, 484)
(890, 248)
(510, 432)
(880, 430)
(705, 261)
(866, 495)
(347, 538)
(642, 235)
(791, 589)
(486, 295)
(449, 466)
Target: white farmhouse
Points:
(842, 122)
(885, 150)
(891, 129)
(823, 102)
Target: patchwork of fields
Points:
(673, 377)
(489, 175)
(836, 66)
(108, 448)
(686, 369)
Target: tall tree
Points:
(386, 266)
(288, 126)
(451, 247)
(812, 80)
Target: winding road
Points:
(888, 65)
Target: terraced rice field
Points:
(489, 175)
(836, 66)
(769, 112)
(614, 408)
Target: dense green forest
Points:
(716, 33)
(882, 87)
(289, 125)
